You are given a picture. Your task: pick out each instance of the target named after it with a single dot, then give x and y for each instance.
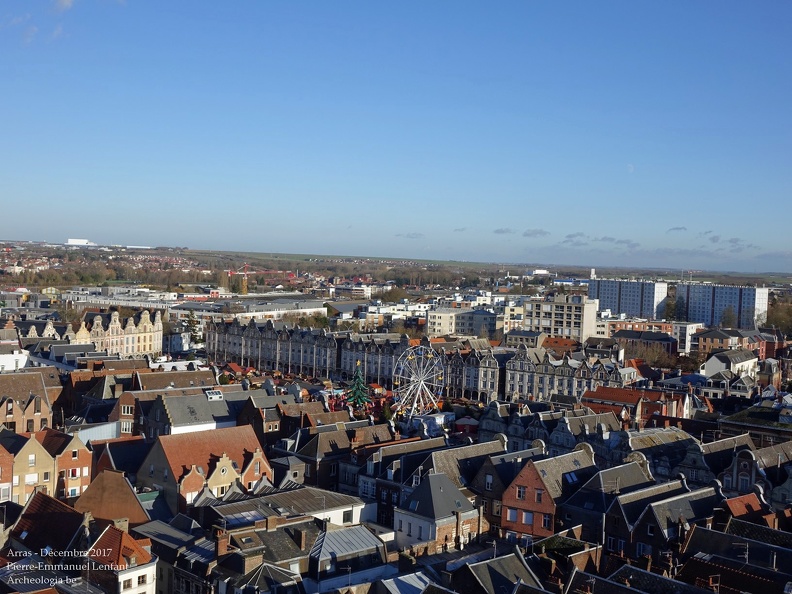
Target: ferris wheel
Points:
(418, 380)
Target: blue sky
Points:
(627, 133)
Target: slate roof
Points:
(338, 441)
(651, 583)
(693, 506)
(197, 409)
(128, 454)
(760, 553)
(498, 575)
(563, 475)
(203, 448)
(436, 497)
(670, 443)
(461, 464)
(633, 504)
(719, 454)
(732, 577)
(509, 465)
(602, 489)
(759, 533)
(110, 497)
(174, 379)
(310, 500)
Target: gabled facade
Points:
(530, 502)
(183, 465)
(133, 338)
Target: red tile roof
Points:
(55, 442)
(204, 448)
(110, 497)
(118, 549)
(47, 522)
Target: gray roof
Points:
(562, 475)
(436, 497)
(164, 534)
(633, 504)
(310, 500)
(338, 542)
(693, 506)
(501, 573)
(601, 490)
(651, 583)
(706, 540)
(198, 409)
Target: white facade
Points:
(706, 303)
(683, 332)
(642, 299)
(565, 316)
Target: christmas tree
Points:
(357, 394)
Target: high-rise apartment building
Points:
(563, 316)
(707, 303)
(640, 299)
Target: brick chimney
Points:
(300, 538)
(221, 542)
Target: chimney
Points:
(300, 538)
(221, 542)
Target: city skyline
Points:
(612, 134)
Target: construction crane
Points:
(244, 271)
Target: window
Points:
(127, 410)
(384, 496)
(74, 454)
(650, 530)
(611, 543)
(141, 579)
(257, 468)
(29, 426)
(409, 528)
(333, 469)
(527, 518)
(488, 482)
(485, 505)
(496, 508)
(643, 550)
(401, 526)
(347, 516)
(745, 483)
(547, 521)
(127, 584)
(74, 473)
(520, 492)
(31, 459)
(511, 514)
(539, 494)
(46, 477)
(126, 426)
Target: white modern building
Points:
(637, 298)
(706, 303)
(562, 316)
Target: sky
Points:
(615, 133)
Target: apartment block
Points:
(642, 299)
(565, 316)
(706, 303)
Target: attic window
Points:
(413, 505)
(23, 535)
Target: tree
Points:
(395, 295)
(728, 318)
(680, 309)
(670, 309)
(358, 395)
(194, 328)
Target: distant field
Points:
(669, 275)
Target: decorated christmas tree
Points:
(357, 394)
